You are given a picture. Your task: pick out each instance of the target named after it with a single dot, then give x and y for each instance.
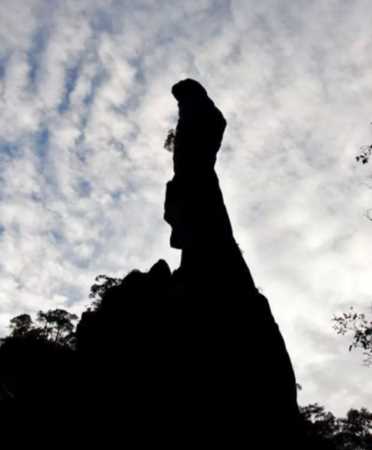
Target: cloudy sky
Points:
(85, 106)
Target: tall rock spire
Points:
(236, 344)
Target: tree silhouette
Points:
(37, 361)
(325, 431)
(21, 325)
(360, 327)
(57, 325)
(99, 289)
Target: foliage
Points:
(361, 329)
(169, 141)
(55, 325)
(324, 430)
(21, 325)
(101, 287)
(365, 154)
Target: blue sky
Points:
(85, 106)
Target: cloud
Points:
(85, 105)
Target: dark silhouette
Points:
(199, 348)
(323, 430)
(192, 357)
(37, 373)
(237, 346)
(364, 154)
(360, 326)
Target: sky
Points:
(85, 106)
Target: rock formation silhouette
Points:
(189, 358)
(242, 363)
(197, 349)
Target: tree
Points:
(324, 431)
(361, 329)
(37, 358)
(358, 422)
(101, 287)
(57, 325)
(21, 325)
